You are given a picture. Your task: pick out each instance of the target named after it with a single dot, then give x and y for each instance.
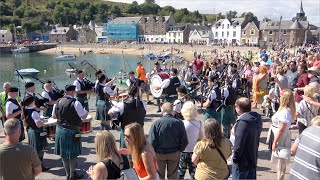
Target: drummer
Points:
(31, 91)
(103, 104)
(157, 69)
(49, 94)
(169, 86)
(36, 136)
(13, 109)
(69, 112)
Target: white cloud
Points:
(272, 9)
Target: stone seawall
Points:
(32, 47)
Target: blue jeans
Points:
(243, 173)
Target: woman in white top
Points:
(194, 131)
(281, 122)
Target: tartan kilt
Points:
(35, 141)
(65, 145)
(48, 112)
(22, 135)
(102, 110)
(210, 113)
(228, 115)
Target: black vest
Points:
(215, 103)
(66, 113)
(82, 87)
(30, 122)
(101, 95)
(172, 88)
(53, 95)
(36, 100)
(132, 113)
(14, 101)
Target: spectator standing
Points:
(198, 64)
(17, 161)
(168, 137)
(144, 87)
(246, 144)
(210, 153)
(194, 133)
(302, 81)
(292, 74)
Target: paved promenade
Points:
(265, 170)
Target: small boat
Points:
(177, 59)
(26, 72)
(71, 70)
(164, 57)
(65, 57)
(20, 50)
(150, 56)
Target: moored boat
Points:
(20, 50)
(26, 72)
(65, 57)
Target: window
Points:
(222, 34)
(252, 32)
(234, 34)
(216, 34)
(228, 26)
(270, 32)
(284, 32)
(2, 35)
(227, 34)
(234, 27)
(222, 26)
(203, 32)
(161, 39)
(244, 32)
(270, 40)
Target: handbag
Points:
(224, 159)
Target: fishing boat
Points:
(71, 70)
(65, 57)
(150, 56)
(177, 59)
(164, 57)
(20, 50)
(27, 72)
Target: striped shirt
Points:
(306, 112)
(306, 163)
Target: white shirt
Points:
(96, 84)
(166, 83)
(108, 90)
(77, 106)
(212, 95)
(177, 106)
(283, 116)
(45, 94)
(10, 106)
(77, 84)
(35, 115)
(128, 82)
(119, 107)
(193, 129)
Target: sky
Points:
(272, 9)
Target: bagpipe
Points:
(88, 85)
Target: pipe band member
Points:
(13, 109)
(130, 110)
(69, 114)
(81, 90)
(49, 94)
(177, 104)
(37, 138)
(103, 104)
(157, 69)
(4, 97)
(213, 99)
(31, 91)
(170, 85)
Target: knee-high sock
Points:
(66, 166)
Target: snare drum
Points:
(86, 125)
(50, 126)
(156, 80)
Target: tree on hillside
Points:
(51, 4)
(16, 3)
(116, 11)
(133, 8)
(249, 16)
(232, 14)
(165, 11)
(149, 1)
(147, 9)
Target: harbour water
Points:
(56, 70)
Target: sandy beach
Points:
(185, 51)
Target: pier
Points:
(32, 47)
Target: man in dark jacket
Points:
(247, 134)
(169, 138)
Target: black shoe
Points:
(159, 110)
(76, 176)
(44, 169)
(149, 102)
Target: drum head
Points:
(156, 80)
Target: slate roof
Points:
(256, 23)
(60, 30)
(285, 24)
(126, 19)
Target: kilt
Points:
(228, 117)
(22, 135)
(35, 140)
(210, 113)
(102, 110)
(65, 145)
(84, 102)
(48, 112)
(171, 99)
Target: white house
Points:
(178, 34)
(200, 35)
(228, 32)
(5, 36)
(97, 26)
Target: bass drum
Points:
(156, 80)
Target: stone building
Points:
(86, 35)
(63, 34)
(250, 33)
(153, 28)
(178, 34)
(5, 36)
